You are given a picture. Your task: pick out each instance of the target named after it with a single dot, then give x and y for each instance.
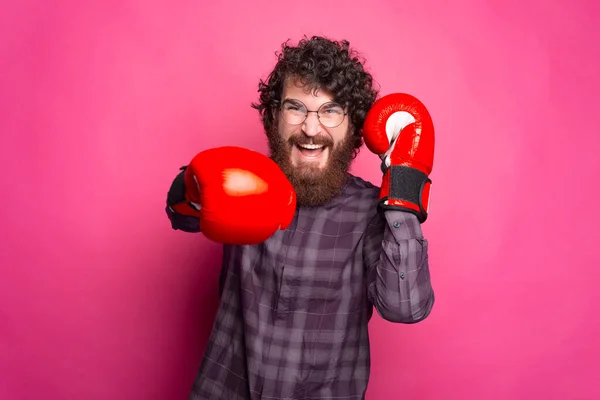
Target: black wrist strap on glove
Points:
(407, 184)
(176, 205)
(176, 192)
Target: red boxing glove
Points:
(399, 129)
(240, 196)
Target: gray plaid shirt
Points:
(292, 320)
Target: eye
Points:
(332, 110)
(293, 107)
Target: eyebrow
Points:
(291, 99)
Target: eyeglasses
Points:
(294, 112)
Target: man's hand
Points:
(399, 129)
(239, 196)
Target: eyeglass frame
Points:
(309, 111)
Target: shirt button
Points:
(396, 224)
(402, 275)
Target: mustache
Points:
(303, 139)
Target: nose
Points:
(311, 126)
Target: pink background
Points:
(101, 102)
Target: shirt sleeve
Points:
(396, 257)
(182, 222)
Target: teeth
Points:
(311, 146)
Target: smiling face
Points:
(311, 141)
(315, 152)
(315, 157)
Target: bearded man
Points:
(296, 297)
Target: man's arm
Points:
(396, 256)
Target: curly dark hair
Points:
(324, 64)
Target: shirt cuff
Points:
(403, 225)
(184, 223)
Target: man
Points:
(294, 308)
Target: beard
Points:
(314, 186)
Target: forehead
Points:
(293, 89)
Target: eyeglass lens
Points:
(295, 112)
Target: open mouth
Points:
(311, 150)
